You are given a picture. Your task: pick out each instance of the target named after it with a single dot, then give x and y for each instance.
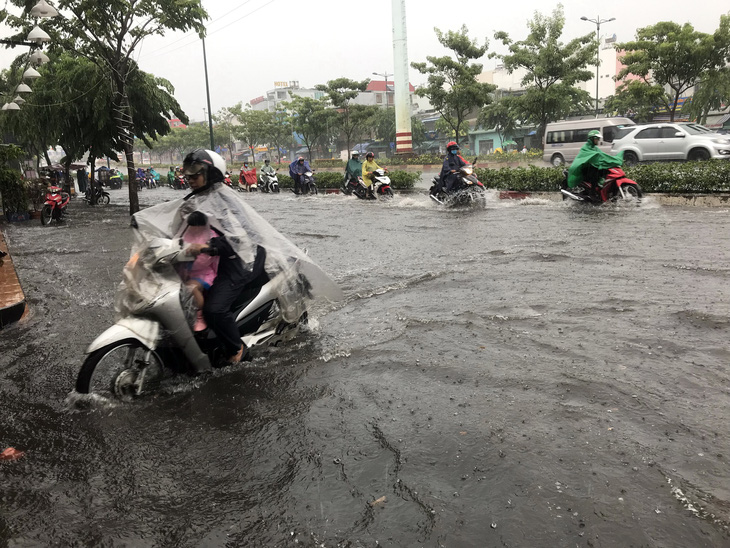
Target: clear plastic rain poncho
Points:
(298, 281)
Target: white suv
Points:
(670, 141)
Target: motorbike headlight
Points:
(468, 170)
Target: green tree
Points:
(636, 100)
(452, 87)
(277, 131)
(108, 33)
(551, 70)
(711, 93)
(501, 115)
(350, 118)
(251, 127)
(673, 56)
(310, 119)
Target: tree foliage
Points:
(311, 119)
(108, 33)
(551, 67)
(452, 86)
(501, 115)
(673, 56)
(351, 119)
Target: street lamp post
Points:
(385, 76)
(597, 21)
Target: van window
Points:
(581, 135)
(609, 133)
(565, 136)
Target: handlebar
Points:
(212, 251)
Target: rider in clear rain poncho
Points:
(246, 243)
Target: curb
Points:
(12, 298)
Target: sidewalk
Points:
(12, 298)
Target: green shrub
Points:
(531, 178)
(682, 177)
(400, 180)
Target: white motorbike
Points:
(154, 338)
(269, 182)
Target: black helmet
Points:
(207, 161)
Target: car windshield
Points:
(695, 129)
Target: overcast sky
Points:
(253, 43)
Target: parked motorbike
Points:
(155, 339)
(306, 185)
(466, 191)
(269, 183)
(97, 196)
(617, 187)
(54, 208)
(227, 179)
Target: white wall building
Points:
(283, 91)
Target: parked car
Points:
(563, 140)
(670, 141)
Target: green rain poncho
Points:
(591, 154)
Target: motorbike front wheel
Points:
(122, 370)
(388, 193)
(632, 193)
(46, 214)
(312, 188)
(275, 188)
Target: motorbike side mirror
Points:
(474, 163)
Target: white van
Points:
(563, 140)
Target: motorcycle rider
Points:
(171, 177)
(267, 172)
(296, 169)
(367, 171)
(353, 169)
(452, 164)
(591, 163)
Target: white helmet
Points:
(355, 153)
(202, 159)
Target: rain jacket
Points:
(162, 227)
(452, 162)
(590, 154)
(353, 169)
(268, 170)
(295, 169)
(368, 167)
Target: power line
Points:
(195, 41)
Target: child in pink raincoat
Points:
(199, 274)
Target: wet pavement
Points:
(532, 374)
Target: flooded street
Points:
(532, 374)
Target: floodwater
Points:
(532, 374)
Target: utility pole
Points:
(403, 136)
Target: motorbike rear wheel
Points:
(46, 214)
(122, 370)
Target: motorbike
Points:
(379, 189)
(227, 179)
(466, 191)
(247, 180)
(154, 338)
(306, 185)
(616, 187)
(269, 183)
(54, 208)
(97, 196)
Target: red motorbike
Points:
(616, 187)
(54, 207)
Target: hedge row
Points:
(667, 177)
(400, 180)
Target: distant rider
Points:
(367, 171)
(353, 169)
(591, 163)
(267, 172)
(296, 169)
(452, 164)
